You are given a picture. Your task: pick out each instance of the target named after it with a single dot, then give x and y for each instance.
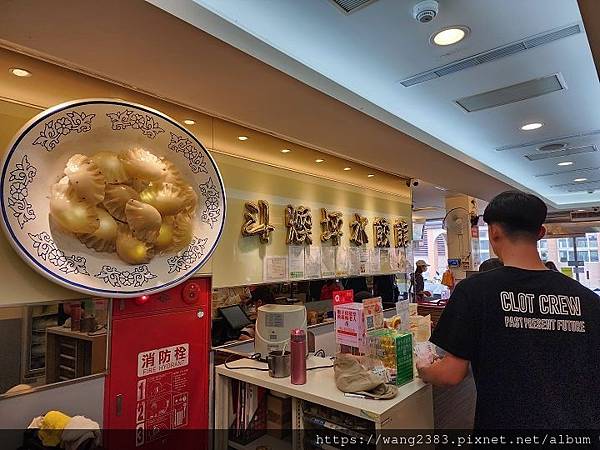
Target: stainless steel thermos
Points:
(298, 350)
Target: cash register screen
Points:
(235, 317)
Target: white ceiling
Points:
(369, 51)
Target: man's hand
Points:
(447, 371)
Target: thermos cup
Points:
(298, 350)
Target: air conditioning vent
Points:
(566, 138)
(567, 152)
(585, 216)
(553, 147)
(491, 55)
(349, 6)
(572, 171)
(511, 94)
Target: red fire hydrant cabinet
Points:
(156, 393)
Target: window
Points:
(543, 244)
(571, 256)
(593, 255)
(583, 256)
(564, 243)
(582, 242)
(484, 245)
(563, 256)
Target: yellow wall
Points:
(237, 260)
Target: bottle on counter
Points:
(298, 354)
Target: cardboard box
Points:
(279, 415)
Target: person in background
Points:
(531, 334)
(329, 288)
(550, 265)
(490, 264)
(418, 281)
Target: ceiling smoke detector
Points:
(426, 11)
(556, 147)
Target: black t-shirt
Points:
(419, 282)
(533, 339)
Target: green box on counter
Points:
(395, 350)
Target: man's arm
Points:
(447, 371)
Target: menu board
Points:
(275, 268)
(341, 261)
(312, 262)
(375, 260)
(328, 265)
(296, 262)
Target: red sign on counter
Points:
(342, 297)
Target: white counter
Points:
(412, 408)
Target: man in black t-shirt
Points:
(532, 335)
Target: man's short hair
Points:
(519, 214)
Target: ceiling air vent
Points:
(553, 147)
(568, 137)
(511, 94)
(572, 171)
(585, 216)
(349, 6)
(558, 154)
(490, 55)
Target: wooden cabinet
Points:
(72, 354)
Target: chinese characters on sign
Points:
(256, 222)
(381, 230)
(161, 359)
(358, 230)
(401, 233)
(331, 223)
(299, 224)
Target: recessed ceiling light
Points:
(450, 36)
(347, 168)
(243, 138)
(578, 180)
(319, 160)
(370, 175)
(581, 210)
(439, 188)
(189, 122)
(18, 72)
(565, 163)
(285, 150)
(532, 126)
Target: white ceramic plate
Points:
(36, 159)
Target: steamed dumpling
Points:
(182, 232)
(117, 196)
(138, 184)
(190, 200)
(69, 211)
(86, 178)
(172, 175)
(140, 163)
(105, 237)
(143, 219)
(111, 167)
(166, 197)
(165, 235)
(132, 250)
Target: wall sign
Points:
(401, 233)
(358, 227)
(331, 224)
(256, 216)
(299, 224)
(381, 231)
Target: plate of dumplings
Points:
(111, 198)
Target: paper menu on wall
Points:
(385, 260)
(375, 258)
(353, 261)
(296, 262)
(341, 261)
(364, 261)
(275, 268)
(328, 266)
(312, 262)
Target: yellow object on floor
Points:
(51, 428)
